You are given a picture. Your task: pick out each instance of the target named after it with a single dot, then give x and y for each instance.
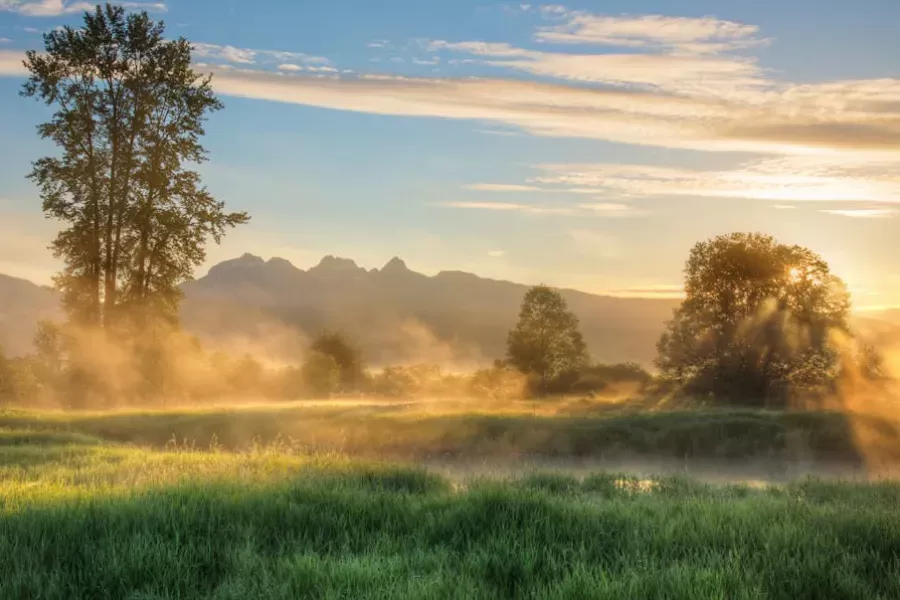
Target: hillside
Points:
(22, 305)
(395, 313)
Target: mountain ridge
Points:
(465, 315)
(271, 308)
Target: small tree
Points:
(321, 374)
(50, 352)
(546, 343)
(757, 321)
(346, 356)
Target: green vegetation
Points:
(129, 114)
(573, 429)
(761, 324)
(546, 344)
(80, 518)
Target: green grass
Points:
(417, 432)
(82, 516)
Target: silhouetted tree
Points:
(50, 351)
(321, 374)
(546, 343)
(346, 356)
(129, 114)
(18, 379)
(759, 321)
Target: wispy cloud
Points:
(53, 8)
(4, 40)
(842, 120)
(496, 253)
(673, 53)
(612, 210)
(677, 34)
(657, 94)
(796, 179)
(785, 124)
(290, 67)
(863, 213)
(513, 207)
(599, 209)
(249, 56)
(501, 187)
(681, 72)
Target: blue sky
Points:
(587, 145)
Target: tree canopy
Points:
(129, 115)
(759, 320)
(345, 355)
(546, 343)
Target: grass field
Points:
(254, 505)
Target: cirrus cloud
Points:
(54, 8)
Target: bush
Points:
(596, 378)
(499, 382)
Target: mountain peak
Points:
(243, 261)
(282, 263)
(332, 264)
(395, 265)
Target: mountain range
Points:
(396, 314)
(270, 308)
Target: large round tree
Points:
(546, 343)
(758, 322)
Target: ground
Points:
(447, 500)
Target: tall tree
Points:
(757, 322)
(129, 118)
(546, 343)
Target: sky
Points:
(587, 145)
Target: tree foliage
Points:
(321, 374)
(546, 343)
(129, 115)
(759, 321)
(347, 357)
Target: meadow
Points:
(420, 500)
